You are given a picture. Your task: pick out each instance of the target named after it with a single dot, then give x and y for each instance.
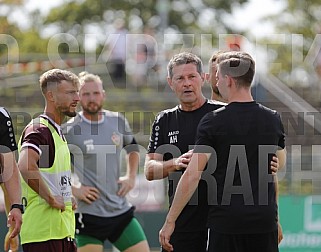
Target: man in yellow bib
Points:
(44, 163)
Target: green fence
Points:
(300, 217)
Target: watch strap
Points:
(19, 206)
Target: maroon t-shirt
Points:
(39, 138)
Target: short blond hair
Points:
(85, 77)
(56, 76)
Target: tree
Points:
(16, 43)
(181, 17)
(11, 2)
(296, 48)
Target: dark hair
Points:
(238, 65)
(215, 56)
(182, 59)
(55, 76)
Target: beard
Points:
(67, 111)
(70, 113)
(92, 108)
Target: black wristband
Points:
(19, 206)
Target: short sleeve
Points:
(7, 136)
(38, 137)
(203, 136)
(130, 143)
(281, 142)
(155, 139)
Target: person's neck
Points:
(240, 96)
(217, 97)
(193, 106)
(93, 117)
(53, 115)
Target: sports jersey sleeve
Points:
(156, 138)
(282, 133)
(39, 138)
(130, 143)
(7, 136)
(202, 135)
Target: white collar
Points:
(81, 114)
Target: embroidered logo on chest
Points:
(115, 138)
(173, 136)
(89, 145)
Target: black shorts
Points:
(189, 241)
(261, 242)
(62, 245)
(103, 228)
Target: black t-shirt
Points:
(244, 137)
(7, 136)
(173, 134)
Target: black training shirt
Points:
(7, 136)
(244, 137)
(173, 134)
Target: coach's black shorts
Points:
(103, 228)
(262, 242)
(189, 241)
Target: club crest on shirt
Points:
(89, 145)
(115, 138)
(173, 136)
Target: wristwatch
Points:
(19, 206)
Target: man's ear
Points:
(207, 77)
(50, 96)
(170, 83)
(230, 81)
(203, 76)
